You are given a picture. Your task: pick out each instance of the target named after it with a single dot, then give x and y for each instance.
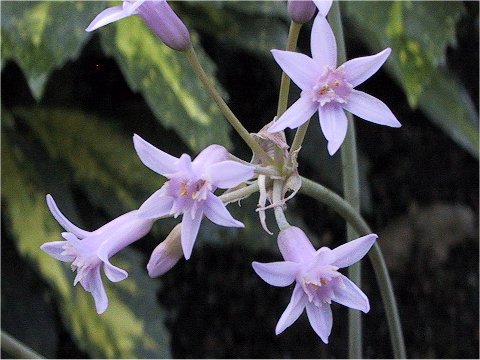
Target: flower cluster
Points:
(190, 186)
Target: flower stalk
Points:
(351, 216)
(351, 191)
(277, 202)
(229, 115)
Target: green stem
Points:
(285, 82)
(229, 115)
(285, 87)
(292, 40)
(239, 194)
(351, 191)
(278, 210)
(345, 210)
(17, 349)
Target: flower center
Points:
(187, 195)
(82, 263)
(318, 284)
(331, 87)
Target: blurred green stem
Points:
(351, 191)
(17, 349)
(351, 216)
(229, 115)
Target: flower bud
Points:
(163, 21)
(166, 254)
(301, 11)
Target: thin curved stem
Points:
(351, 191)
(345, 210)
(17, 349)
(278, 210)
(229, 115)
(239, 194)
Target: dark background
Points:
(424, 191)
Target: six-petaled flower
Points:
(190, 187)
(318, 281)
(88, 251)
(329, 89)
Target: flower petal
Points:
(227, 174)
(323, 44)
(295, 246)
(157, 205)
(190, 227)
(360, 69)
(55, 249)
(293, 310)
(321, 320)
(108, 16)
(155, 159)
(300, 112)
(215, 211)
(208, 156)
(323, 6)
(303, 70)
(370, 108)
(63, 221)
(281, 273)
(350, 295)
(114, 274)
(131, 7)
(334, 124)
(93, 284)
(352, 251)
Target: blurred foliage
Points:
(41, 36)
(419, 34)
(128, 329)
(62, 150)
(167, 83)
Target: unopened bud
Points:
(301, 11)
(163, 21)
(166, 254)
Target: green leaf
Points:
(450, 107)
(102, 158)
(132, 326)
(251, 29)
(419, 33)
(167, 82)
(41, 36)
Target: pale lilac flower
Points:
(87, 251)
(166, 254)
(190, 188)
(302, 11)
(330, 90)
(318, 281)
(157, 14)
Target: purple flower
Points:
(302, 11)
(87, 251)
(318, 281)
(157, 14)
(190, 187)
(330, 90)
(166, 254)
